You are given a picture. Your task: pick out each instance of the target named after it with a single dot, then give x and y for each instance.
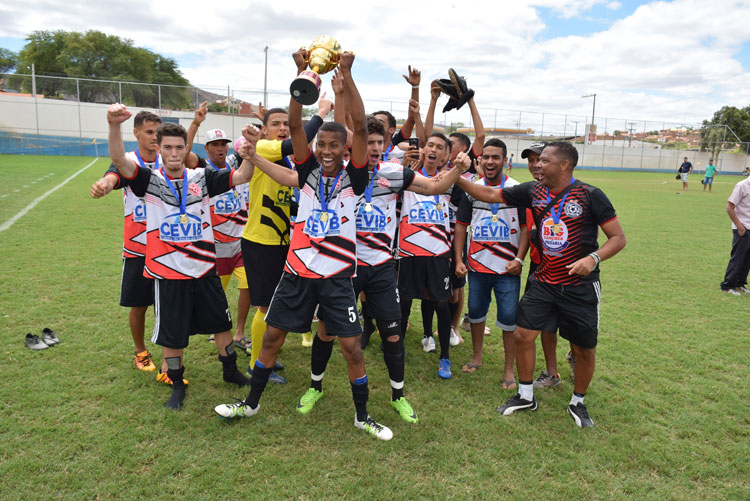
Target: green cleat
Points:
(404, 409)
(307, 401)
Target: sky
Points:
(674, 62)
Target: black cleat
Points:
(516, 403)
(580, 415)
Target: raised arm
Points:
(480, 192)
(429, 119)
(414, 110)
(413, 78)
(299, 140)
(245, 172)
(478, 128)
(116, 115)
(191, 159)
(357, 110)
(440, 183)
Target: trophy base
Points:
(305, 89)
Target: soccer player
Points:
(136, 290)
(322, 256)
(376, 270)
(228, 218)
(180, 249)
(265, 239)
(498, 245)
(565, 289)
(424, 250)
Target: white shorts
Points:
(684, 176)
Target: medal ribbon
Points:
(387, 152)
(557, 215)
(323, 200)
(368, 190)
(494, 207)
(143, 164)
(212, 165)
(437, 197)
(183, 200)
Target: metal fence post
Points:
(78, 99)
(159, 86)
(119, 85)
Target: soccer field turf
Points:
(669, 396)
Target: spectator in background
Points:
(685, 169)
(738, 208)
(710, 173)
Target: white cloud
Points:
(614, 5)
(668, 61)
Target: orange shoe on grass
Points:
(143, 361)
(163, 378)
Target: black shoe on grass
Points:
(516, 403)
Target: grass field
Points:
(669, 397)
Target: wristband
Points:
(519, 260)
(415, 86)
(596, 257)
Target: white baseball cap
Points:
(217, 135)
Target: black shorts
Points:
(380, 285)
(187, 307)
(296, 298)
(532, 268)
(456, 281)
(135, 289)
(264, 265)
(420, 273)
(574, 309)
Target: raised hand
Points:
(300, 59)
(261, 112)
(434, 90)
(337, 82)
(251, 135)
(414, 77)
(462, 161)
(200, 113)
(346, 60)
(324, 105)
(413, 108)
(117, 113)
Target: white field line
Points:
(7, 224)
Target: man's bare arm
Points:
(116, 115)
(299, 139)
(357, 110)
(429, 119)
(479, 134)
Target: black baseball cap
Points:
(534, 148)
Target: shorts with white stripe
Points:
(187, 307)
(574, 309)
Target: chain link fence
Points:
(66, 115)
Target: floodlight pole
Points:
(265, 80)
(593, 111)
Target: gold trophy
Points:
(323, 56)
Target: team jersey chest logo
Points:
(573, 209)
(321, 224)
(370, 218)
(491, 229)
(228, 203)
(554, 236)
(426, 212)
(175, 228)
(139, 211)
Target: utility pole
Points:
(630, 133)
(575, 134)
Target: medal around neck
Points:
(323, 53)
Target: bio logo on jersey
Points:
(322, 224)
(491, 231)
(172, 230)
(426, 212)
(374, 221)
(139, 212)
(228, 203)
(554, 236)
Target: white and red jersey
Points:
(228, 217)
(179, 245)
(377, 222)
(323, 244)
(134, 224)
(424, 229)
(495, 231)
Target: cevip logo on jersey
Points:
(491, 231)
(321, 224)
(374, 221)
(554, 236)
(139, 212)
(172, 230)
(228, 203)
(426, 212)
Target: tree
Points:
(726, 123)
(96, 55)
(7, 60)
